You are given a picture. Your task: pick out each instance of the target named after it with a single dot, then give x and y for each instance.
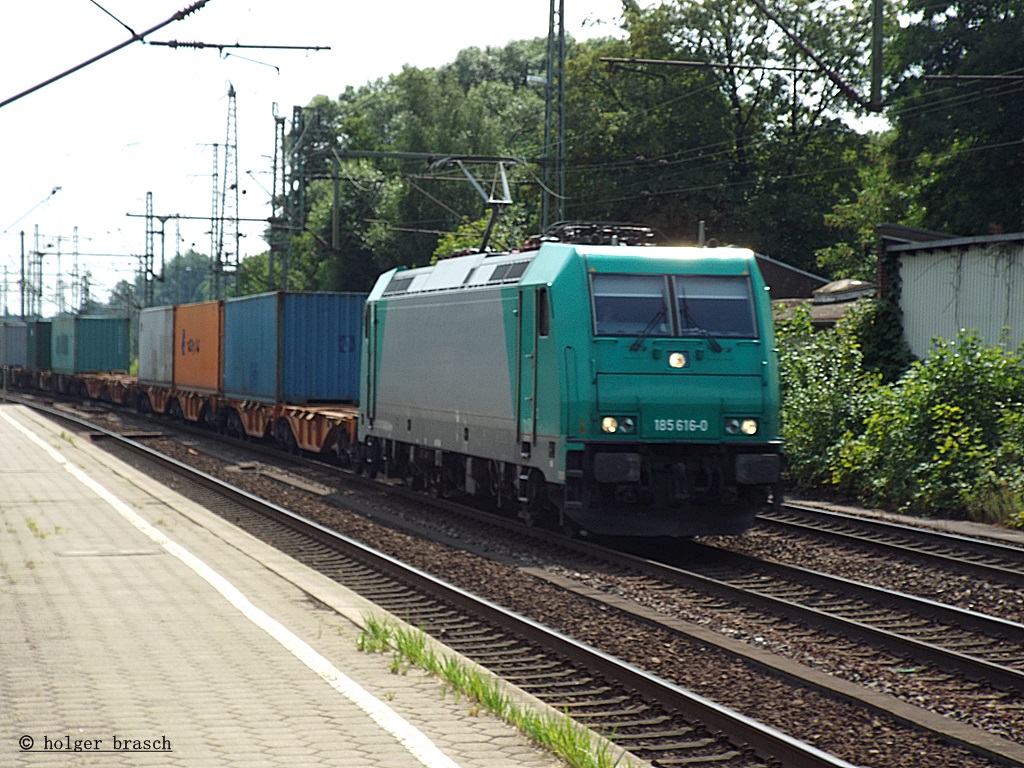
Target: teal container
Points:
(39, 340)
(13, 343)
(90, 344)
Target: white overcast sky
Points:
(143, 118)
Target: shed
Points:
(829, 304)
(953, 284)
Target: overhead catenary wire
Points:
(136, 37)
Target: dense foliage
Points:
(958, 110)
(946, 439)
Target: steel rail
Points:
(961, 553)
(1007, 678)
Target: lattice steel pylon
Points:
(34, 278)
(278, 221)
(554, 118)
(215, 223)
(229, 242)
(148, 258)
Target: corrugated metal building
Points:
(972, 283)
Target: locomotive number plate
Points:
(680, 425)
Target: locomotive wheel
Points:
(571, 528)
(370, 463)
(534, 510)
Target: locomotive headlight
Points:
(613, 425)
(746, 426)
(677, 360)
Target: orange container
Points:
(198, 345)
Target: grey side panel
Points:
(444, 374)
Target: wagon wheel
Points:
(343, 450)
(233, 424)
(286, 438)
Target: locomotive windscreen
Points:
(715, 305)
(704, 305)
(627, 305)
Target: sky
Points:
(80, 154)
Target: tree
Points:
(187, 279)
(643, 147)
(879, 198)
(959, 124)
(360, 217)
(753, 143)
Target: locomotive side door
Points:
(526, 369)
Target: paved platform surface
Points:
(141, 630)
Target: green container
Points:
(39, 339)
(90, 344)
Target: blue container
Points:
(296, 348)
(90, 344)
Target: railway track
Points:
(979, 647)
(978, 742)
(986, 559)
(649, 717)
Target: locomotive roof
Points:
(509, 268)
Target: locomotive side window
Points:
(629, 305)
(715, 305)
(543, 317)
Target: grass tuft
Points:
(556, 733)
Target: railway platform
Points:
(139, 629)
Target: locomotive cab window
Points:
(628, 305)
(715, 305)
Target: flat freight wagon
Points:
(293, 348)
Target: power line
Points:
(616, 62)
(134, 38)
(221, 46)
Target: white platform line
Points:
(408, 735)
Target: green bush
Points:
(946, 439)
(824, 386)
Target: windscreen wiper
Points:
(691, 325)
(639, 341)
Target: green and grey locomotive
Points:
(610, 389)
